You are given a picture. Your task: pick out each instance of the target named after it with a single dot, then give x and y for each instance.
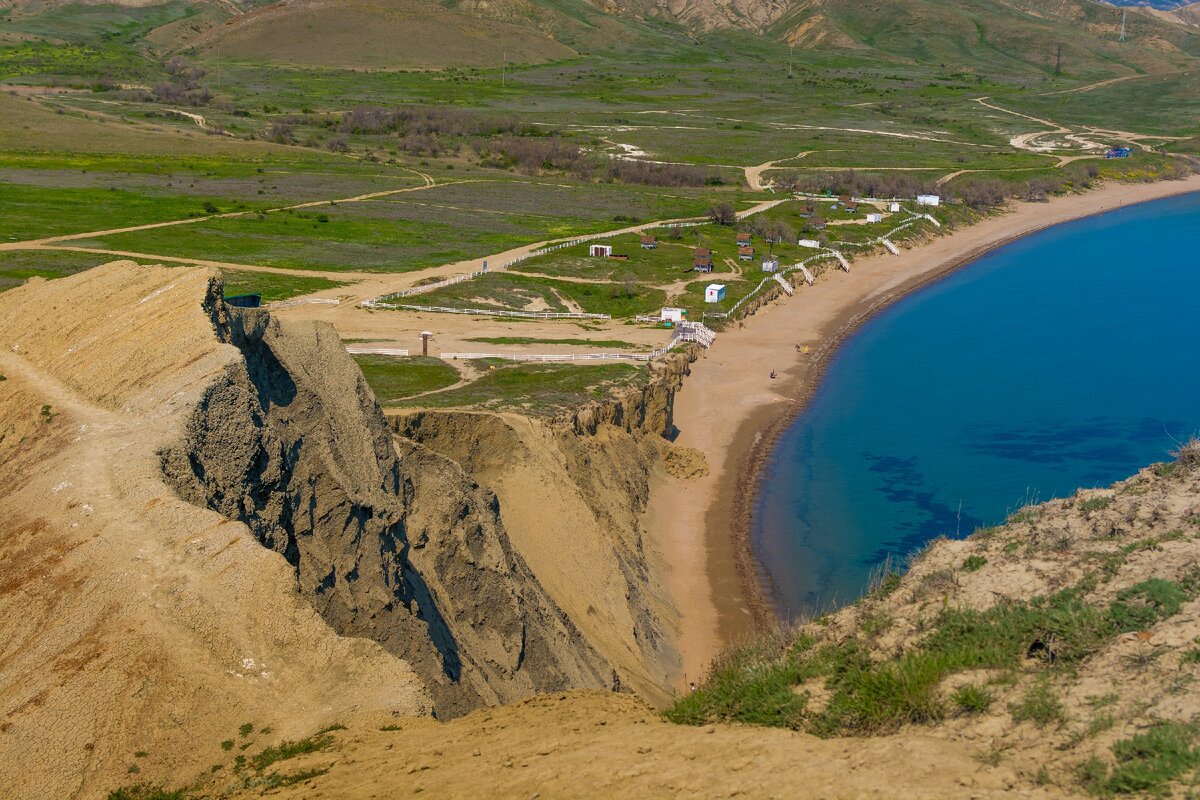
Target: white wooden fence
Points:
(487, 312)
(355, 350)
(320, 301)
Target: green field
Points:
(542, 389)
(395, 378)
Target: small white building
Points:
(813, 243)
(770, 264)
(600, 250)
(672, 315)
(928, 200)
(893, 208)
(714, 293)
(875, 217)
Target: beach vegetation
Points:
(870, 696)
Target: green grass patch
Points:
(609, 344)
(1040, 705)
(1147, 762)
(972, 699)
(286, 750)
(543, 389)
(144, 791)
(274, 286)
(973, 563)
(394, 378)
(871, 696)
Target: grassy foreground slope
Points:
(1065, 643)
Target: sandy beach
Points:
(731, 410)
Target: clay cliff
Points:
(401, 548)
(206, 524)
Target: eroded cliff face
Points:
(572, 492)
(401, 547)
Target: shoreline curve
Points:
(728, 412)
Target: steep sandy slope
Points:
(132, 621)
(571, 504)
(403, 550)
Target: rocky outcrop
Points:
(399, 547)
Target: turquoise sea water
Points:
(1069, 358)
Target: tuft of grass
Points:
(144, 791)
(1140, 606)
(245, 730)
(1146, 762)
(973, 563)
(392, 728)
(286, 750)
(278, 780)
(750, 683)
(972, 699)
(337, 726)
(227, 745)
(1040, 705)
(1095, 504)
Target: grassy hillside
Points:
(1063, 643)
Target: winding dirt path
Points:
(1093, 86)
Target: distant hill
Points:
(378, 34)
(1005, 37)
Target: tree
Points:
(722, 214)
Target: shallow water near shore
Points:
(1068, 358)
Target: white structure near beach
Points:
(875, 217)
(893, 208)
(928, 200)
(601, 250)
(770, 264)
(714, 293)
(672, 315)
(813, 243)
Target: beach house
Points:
(714, 293)
(702, 260)
(600, 250)
(746, 253)
(743, 240)
(649, 242)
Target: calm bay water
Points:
(1070, 358)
